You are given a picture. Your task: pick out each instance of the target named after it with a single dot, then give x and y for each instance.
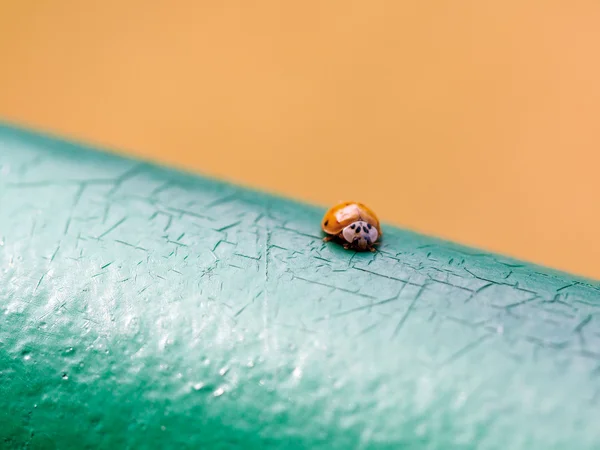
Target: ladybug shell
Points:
(346, 213)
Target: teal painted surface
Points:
(145, 308)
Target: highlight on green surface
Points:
(141, 307)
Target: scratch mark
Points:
(478, 291)
(352, 259)
(360, 308)
(91, 320)
(302, 327)
(542, 343)
(131, 245)
(514, 286)
(129, 173)
(565, 287)
(255, 258)
(105, 215)
(106, 265)
(291, 230)
(241, 310)
(466, 322)
(157, 190)
(66, 230)
(473, 275)
(583, 323)
(466, 349)
(180, 236)
(408, 311)
(227, 227)
(391, 256)
(334, 287)
(221, 241)
(447, 283)
(222, 200)
(120, 222)
(185, 212)
(387, 276)
(522, 302)
(54, 254)
(510, 264)
(280, 248)
(177, 243)
(369, 328)
(143, 289)
(557, 299)
(169, 221)
(40, 281)
(78, 195)
(319, 258)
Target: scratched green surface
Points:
(145, 308)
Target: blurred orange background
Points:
(475, 121)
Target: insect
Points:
(354, 224)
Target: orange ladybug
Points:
(355, 224)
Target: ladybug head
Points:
(360, 234)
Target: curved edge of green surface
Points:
(80, 149)
(144, 307)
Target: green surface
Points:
(144, 308)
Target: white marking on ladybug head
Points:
(361, 234)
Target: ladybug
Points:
(353, 223)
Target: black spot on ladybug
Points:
(358, 230)
(353, 226)
(326, 223)
(369, 225)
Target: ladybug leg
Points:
(328, 238)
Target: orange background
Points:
(477, 121)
